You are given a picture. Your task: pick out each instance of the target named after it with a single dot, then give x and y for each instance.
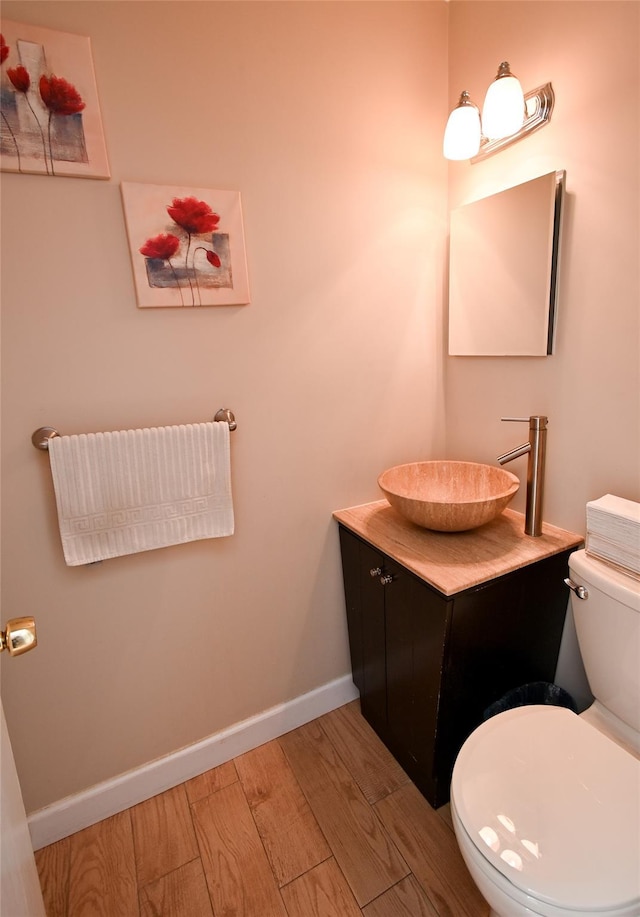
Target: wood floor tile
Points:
(163, 834)
(431, 851)
(211, 781)
(53, 872)
(368, 760)
(445, 814)
(102, 873)
(240, 880)
(321, 892)
(406, 899)
(291, 836)
(285, 824)
(182, 893)
(363, 850)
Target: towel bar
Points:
(40, 438)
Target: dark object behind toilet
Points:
(536, 692)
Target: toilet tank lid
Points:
(554, 806)
(599, 575)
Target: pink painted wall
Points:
(590, 388)
(327, 117)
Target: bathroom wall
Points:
(590, 387)
(328, 118)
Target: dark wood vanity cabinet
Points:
(427, 665)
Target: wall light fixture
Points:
(508, 115)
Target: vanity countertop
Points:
(454, 561)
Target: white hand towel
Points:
(136, 490)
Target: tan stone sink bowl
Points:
(448, 496)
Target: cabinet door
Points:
(416, 623)
(504, 634)
(362, 567)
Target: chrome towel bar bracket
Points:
(224, 414)
(41, 437)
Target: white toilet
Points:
(546, 804)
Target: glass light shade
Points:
(503, 109)
(462, 133)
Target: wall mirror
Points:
(503, 271)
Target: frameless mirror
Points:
(503, 271)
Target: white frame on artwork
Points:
(187, 245)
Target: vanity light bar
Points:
(539, 105)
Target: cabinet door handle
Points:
(375, 571)
(386, 579)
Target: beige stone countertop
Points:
(454, 561)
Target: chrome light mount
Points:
(538, 107)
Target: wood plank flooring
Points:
(322, 822)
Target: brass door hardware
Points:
(19, 636)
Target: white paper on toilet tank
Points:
(136, 490)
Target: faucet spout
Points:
(514, 453)
(535, 447)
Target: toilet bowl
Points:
(545, 803)
(541, 805)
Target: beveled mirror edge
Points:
(558, 211)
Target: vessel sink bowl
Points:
(448, 496)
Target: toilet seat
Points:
(554, 806)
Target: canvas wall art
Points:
(187, 246)
(50, 121)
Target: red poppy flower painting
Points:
(193, 215)
(187, 246)
(59, 96)
(49, 115)
(163, 247)
(20, 78)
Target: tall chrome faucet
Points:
(536, 447)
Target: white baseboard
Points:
(90, 806)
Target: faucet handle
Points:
(536, 421)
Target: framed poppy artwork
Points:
(187, 246)
(50, 121)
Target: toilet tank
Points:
(608, 629)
